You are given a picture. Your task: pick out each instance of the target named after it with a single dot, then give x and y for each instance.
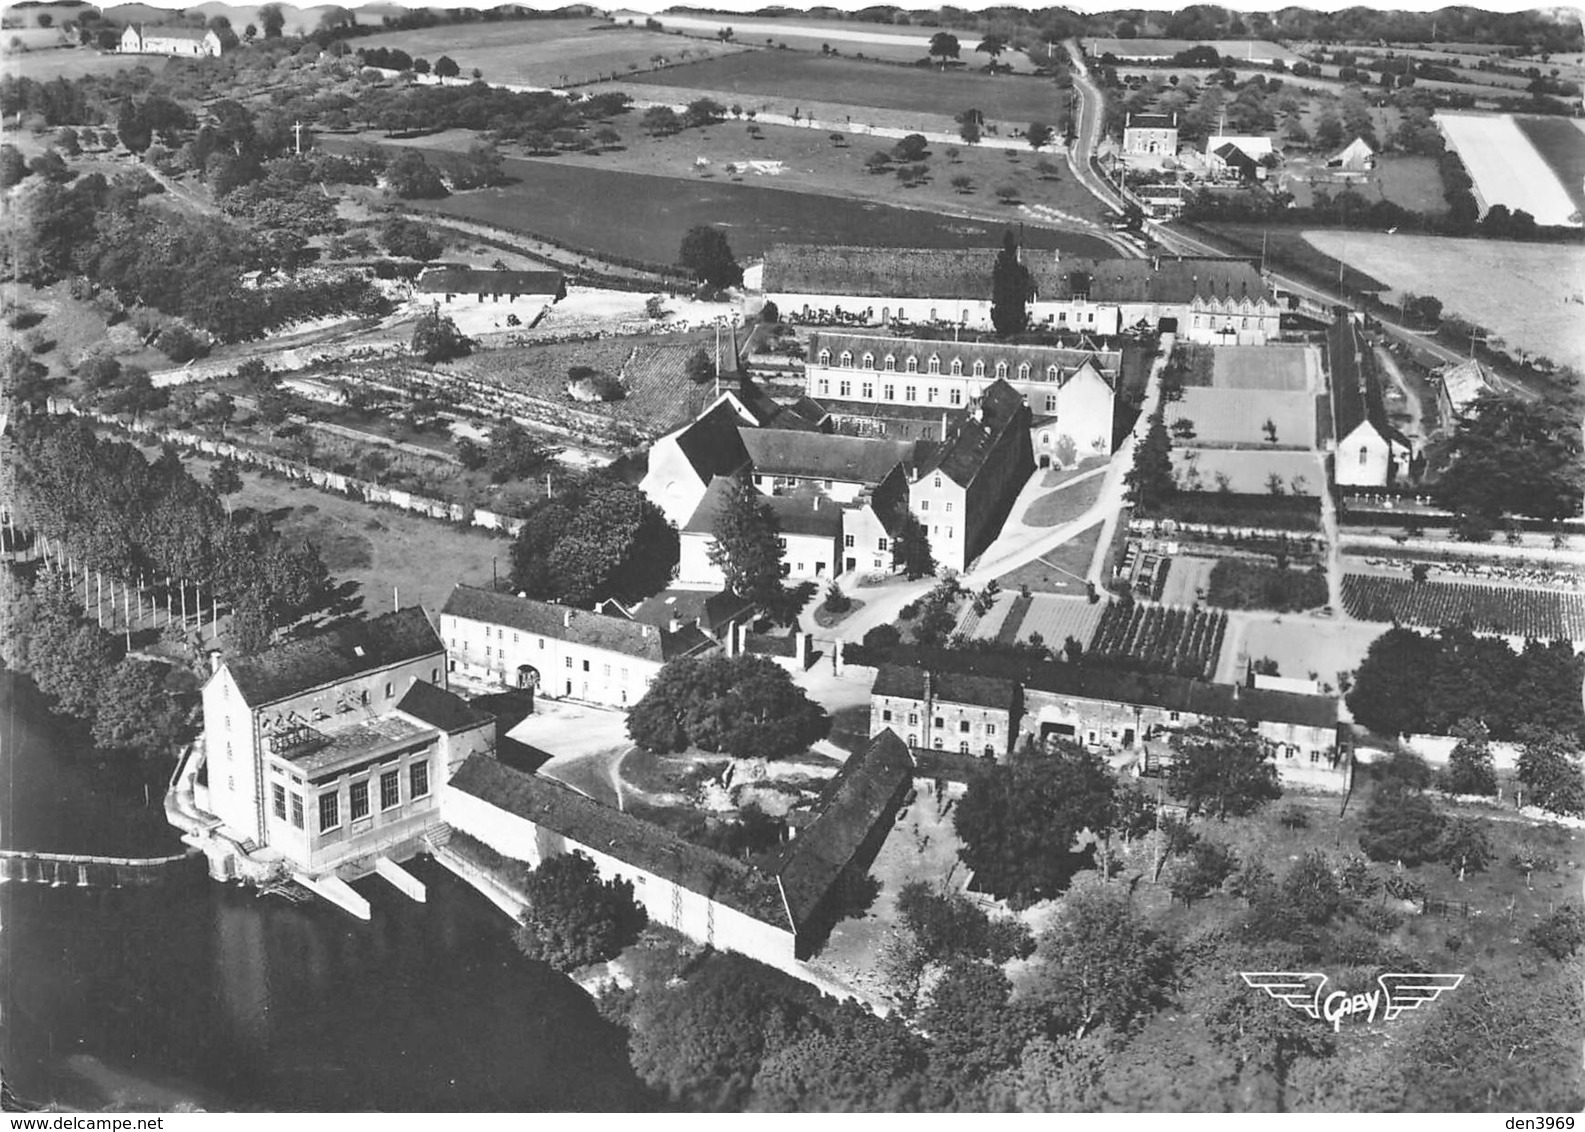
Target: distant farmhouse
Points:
(1220, 301)
(328, 754)
(1371, 451)
(169, 39)
(1150, 135)
(1102, 709)
(1355, 157)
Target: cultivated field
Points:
(646, 217)
(72, 63)
(1257, 50)
(1061, 570)
(548, 52)
(1511, 610)
(1054, 617)
(1154, 638)
(1527, 295)
(1248, 472)
(1408, 181)
(1239, 416)
(1300, 645)
(1506, 167)
(850, 37)
(1290, 369)
(1561, 144)
(787, 79)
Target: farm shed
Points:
(492, 286)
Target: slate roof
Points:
(441, 708)
(578, 626)
(288, 669)
(1234, 156)
(478, 281)
(1151, 122)
(1356, 386)
(861, 794)
(882, 273)
(1463, 383)
(714, 610)
(561, 809)
(912, 683)
(964, 453)
(800, 514)
(1162, 280)
(1180, 693)
(171, 31)
(1068, 360)
(813, 455)
(712, 445)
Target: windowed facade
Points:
(390, 790)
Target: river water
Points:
(193, 992)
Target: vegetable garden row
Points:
(1511, 610)
(1157, 638)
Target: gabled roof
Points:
(288, 669)
(712, 445)
(477, 281)
(1231, 154)
(441, 708)
(1067, 359)
(1160, 280)
(861, 794)
(913, 683)
(885, 273)
(799, 514)
(804, 413)
(578, 626)
(171, 31)
(715, 611)
(1001, 408)
(561, 809)
(1151, 122)
(1357, 150)
(1463, 383)
(1356, 385)
(823, 456)
(1180, 693)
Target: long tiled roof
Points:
(1162, 280)
(814, 455)
(561, 809)
(171, 31)
(1040, 359)
(908, 682)
(1356, 385)
(476, 281)
(714, 610)
(1180, 693)
(800, 514)
(962, 456)
(861, 794)
(286, 670)
(579, 626)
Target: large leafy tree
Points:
(1265, 1040)
(746, 544)
(1465, 845)
(944, 45)
(1391, 685)
(1511, 456)
(706, 253)
(437, 339)
(745, 706)
(1018, 820)
(1011, 289)
(573, 917)
(515, 453)
(855, 1062)
(1103, 963)
(1550, 768)
(597, 537)
(1470, 769)
(911, 549)
(1222, 767)
(1400, 825)
(137, 712)
(1149, 481)
(976, 1029)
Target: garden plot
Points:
(1280, 369)
(1561, 144)
(1240, 416)
(1506, 167)
(1527, 296)
(1248, 472)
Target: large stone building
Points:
(964, 493)
(862, 379)
(810, 526)
(330, 751)
(1215, 300)
(557, 650)
(1371, 451)
(165, 39)
(946, 711)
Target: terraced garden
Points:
(1158, 638)
(1510, 610)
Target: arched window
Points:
(825, 357)
(1023, 371)
(979, 367)
(957, 367)
(1053, 373)
(912, 364)
(934, 365)
(1364, 455)
(847, 358)
(889, 363)
(1001, 369)
(867, 361)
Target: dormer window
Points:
(1001, 369)
(889, 363)
(957, 367)
(847, 359)
(1052, 373)
(867, 361)
(912, 364)
(934, 364)
(1023, 371)
(979, 368)
(825, 357)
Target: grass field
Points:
(790, 78)
(1506, 167)
(1300, 645)
(1239, 416)
(1064, 504)
(1259, 49)
(42, 66)
(1527, 295)
(812, 162)
(1248, 472)
(1277, 368)
(646, 217)
(1059, 571)
(548, 52)
(1408, 181)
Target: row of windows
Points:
(490, 653)
(939, 721)
(963, 747)
(880, 543)
(924, 504)
(357, 797)
(933, 365)
(910, 395)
